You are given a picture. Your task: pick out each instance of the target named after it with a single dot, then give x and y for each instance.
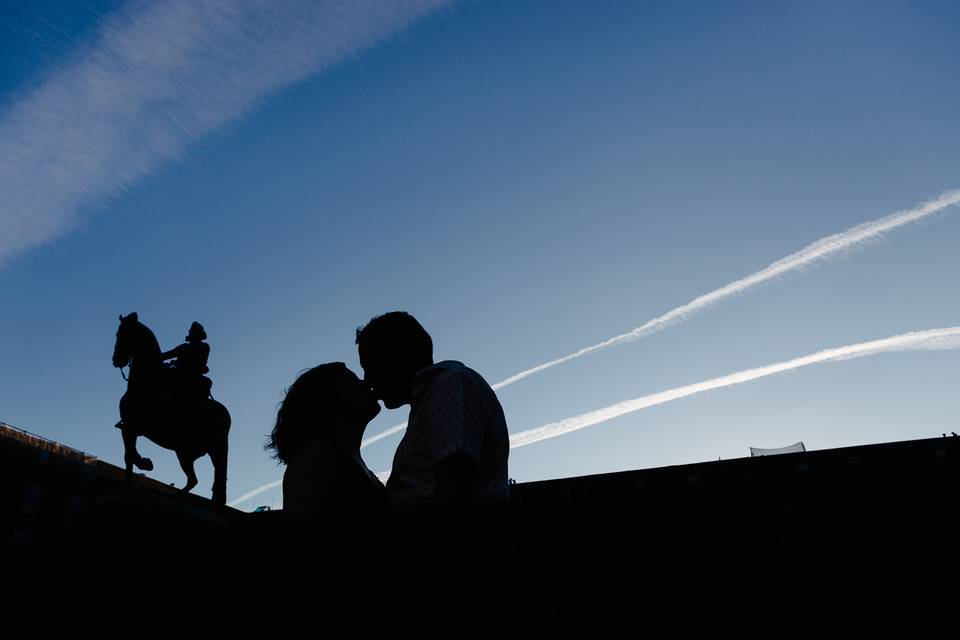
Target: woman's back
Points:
(325, 480)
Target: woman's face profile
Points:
(358, 398)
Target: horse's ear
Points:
(133, 316)
(121, 317)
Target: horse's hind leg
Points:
(218, 455)
(186, 463)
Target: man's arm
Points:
(173, 353)
(458, 478)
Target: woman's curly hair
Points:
(309, 404)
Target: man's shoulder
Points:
(454, 372)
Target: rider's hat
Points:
(196, 332)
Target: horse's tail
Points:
(220, 419)
(220, 416)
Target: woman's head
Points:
(329, 402)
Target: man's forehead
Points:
(369, 359)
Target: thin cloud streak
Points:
(934, 339)
(386, 433)
(381, 475)
(823, 249)
(157, 77)
(253, 494)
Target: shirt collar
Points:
(423, 379)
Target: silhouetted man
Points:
(456, 445)
(191, 362)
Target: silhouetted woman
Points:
(318, 431)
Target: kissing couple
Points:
(456, 444)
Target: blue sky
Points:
(527, 178)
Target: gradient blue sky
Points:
(527, 178)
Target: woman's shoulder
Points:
(310, 479)
(320, 478)
(311, 460)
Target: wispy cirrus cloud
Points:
(156, 77)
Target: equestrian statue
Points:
(170, 404)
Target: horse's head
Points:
(123, 348)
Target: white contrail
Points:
(253, 494)
(383, 475)
(934, 339)
(386, 433)
(823, 249)
(156, 77)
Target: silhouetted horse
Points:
(158, 407)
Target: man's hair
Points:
(397, 333)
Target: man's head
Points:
(393, 347)
(196, 333)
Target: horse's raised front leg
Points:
(129, 453)
(131, 457)
(218, 455)
(186, 463)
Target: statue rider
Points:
(191, 362)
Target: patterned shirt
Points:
(453, 409)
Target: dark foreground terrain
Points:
(836, 543)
